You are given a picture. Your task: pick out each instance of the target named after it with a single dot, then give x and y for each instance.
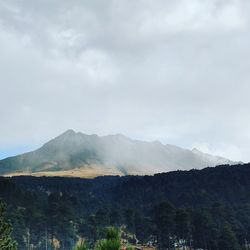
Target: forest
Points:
(200, 209)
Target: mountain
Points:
(78, 154)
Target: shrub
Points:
(80, 246)
(112, 241)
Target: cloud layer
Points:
(175, 71)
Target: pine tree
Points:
(228, 240)
(164, 219)
(6, 242)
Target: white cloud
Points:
(194, 16)
(175, 71)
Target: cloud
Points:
(175, 71)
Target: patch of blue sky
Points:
(12, 151)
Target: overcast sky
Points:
(177, 71)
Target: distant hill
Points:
(78, 154)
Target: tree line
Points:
(208, 209)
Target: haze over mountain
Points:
(78, 154)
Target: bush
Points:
(80, 246)
(112, 233)
(107, 245)
(112, 241)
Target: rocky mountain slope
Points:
(78, 154)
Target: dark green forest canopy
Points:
(229, 184)
(206, 207)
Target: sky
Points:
(176, 71)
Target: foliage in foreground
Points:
(80, 246)
(112, 241)
(6, 242)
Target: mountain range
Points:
(78, 154)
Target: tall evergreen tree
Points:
(228, 240)
(182, 227)
(163, 217)
(6, 242)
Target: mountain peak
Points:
(68, 132)
(195, 150)
(75, 153)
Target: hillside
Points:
(77, 154)
(195, 204)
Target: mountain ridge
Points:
(78, 154)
